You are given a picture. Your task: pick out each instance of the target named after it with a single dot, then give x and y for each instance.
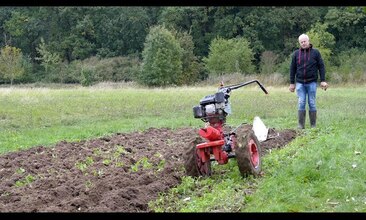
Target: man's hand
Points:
(292, 88)
(324, 85)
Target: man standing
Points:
(306, 64)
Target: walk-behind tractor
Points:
(240, 143)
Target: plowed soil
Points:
(118, 173)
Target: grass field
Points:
(321, 171)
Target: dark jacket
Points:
(305, 65)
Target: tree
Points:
(229, 56)
(322, 40)
(192, 69)
(197, 21)
(347, 24)
(50, 61)
(5, 15)
(120, 31)
(11, 63)
(162, 58)
(47, 58)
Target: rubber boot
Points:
(301, 116)
(312, 116)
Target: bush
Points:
(162, 58)
(87, 77)
(94, 69)
(115, 69)
(322, 40)
(351, 68)
(283, 68)
(230, 56)
(28, 75)
(192, 68)
(268, 62)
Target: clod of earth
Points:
(118, 173)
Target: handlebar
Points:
(237, 86)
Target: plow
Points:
(240, 143)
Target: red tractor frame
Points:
(240, 143)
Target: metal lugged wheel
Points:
(193, 163)
(248, 154)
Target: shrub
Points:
(162, 58)
(351, 68)
(192, 69)
(87, 77)
(283, 68)
(322, 40)
(268, 62)
(115, 69)
(229, 56)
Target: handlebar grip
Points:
(262, 87)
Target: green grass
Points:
(32, 117)
(321, 171)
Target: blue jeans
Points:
(308, 90)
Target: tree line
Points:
(159, 46)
